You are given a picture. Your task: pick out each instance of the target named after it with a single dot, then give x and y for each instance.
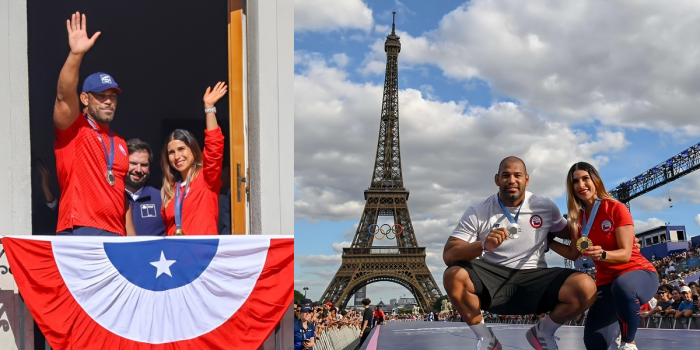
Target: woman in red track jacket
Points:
(192, 178)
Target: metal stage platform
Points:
(453, 335)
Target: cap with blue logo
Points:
(99, 82)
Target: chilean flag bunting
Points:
(155, 293)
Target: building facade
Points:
(660, 242)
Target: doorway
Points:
(163, 55)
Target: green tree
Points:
(438, 303)
(298, 296)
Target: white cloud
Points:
(338, 247)
(450, 150)
(697, 219)
(630, 63)
(341, 60)
(316, 286)
(428, 92)
(323, 15)
(641, 226)
(382, 29)
(649, 203)
(372, 67)
(318, 260)
(325, 274)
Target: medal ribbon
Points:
(513, 220)
(179, 200)
(109, 157)
(587, 225)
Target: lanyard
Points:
(513, 220)
(109, 157)
(178, 203)
(587, 225)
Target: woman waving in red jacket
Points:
(192, 178)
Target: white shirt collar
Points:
(136, 194)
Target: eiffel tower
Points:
(363, 263)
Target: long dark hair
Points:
(170, 174)
(574, 204)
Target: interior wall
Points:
(163, 54)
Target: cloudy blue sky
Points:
(614, 83)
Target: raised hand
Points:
(213, 95)
(77, 34)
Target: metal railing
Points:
(405, 320)
(670, 322)
(346, 338)
(511, 320)
(383, 250)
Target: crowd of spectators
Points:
(328, 317)
(404, 317)
(669, 301)
(675, 268)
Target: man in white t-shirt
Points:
(495, 259)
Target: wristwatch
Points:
(603, 256)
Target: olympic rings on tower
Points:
(387, 231)
(375, 229)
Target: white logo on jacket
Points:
(148, 211)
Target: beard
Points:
(135, 184)
(511, 196)
(101, 116)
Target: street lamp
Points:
(305, 289)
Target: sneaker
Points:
(488, 344)
(616, 344)
(628, 346)
(540, 341)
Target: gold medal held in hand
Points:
(583, 243)
(179, 232)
